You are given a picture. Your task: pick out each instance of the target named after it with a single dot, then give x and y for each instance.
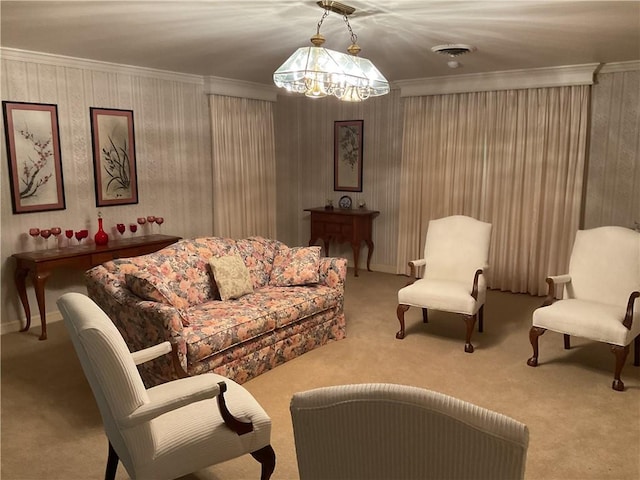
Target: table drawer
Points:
(100, 258)
(332, 218)
(338, 229)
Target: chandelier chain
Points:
(354, 37)
(324, 15)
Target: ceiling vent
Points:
(453, 50)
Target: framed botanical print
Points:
(114, 156)
(347, 155)
(33, 151)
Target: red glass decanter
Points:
(101, 237)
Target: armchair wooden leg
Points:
(400, 313)
(470, 320)
(636, 351)
(621, 357)
(267, 458)
(112, 464)
(425, 316)
(534, 333)
(481, 319)
(567, 341)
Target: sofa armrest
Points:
(142, 323)
(333, 272)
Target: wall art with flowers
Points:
(33, 150)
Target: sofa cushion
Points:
(215, 326)
(231, 276)
(295, 266)
(258, 254)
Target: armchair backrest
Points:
(456, 247)
(605, 265)
(387, 431)
(107, 364)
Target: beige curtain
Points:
(441, 171)
(244, 181)
(523, 172)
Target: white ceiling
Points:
(249, 39)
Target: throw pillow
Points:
(149, 287)
(295, 266)
(231, 276)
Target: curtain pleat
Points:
(442, 166)
(244, 180)
(513, 158)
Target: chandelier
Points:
(318, 72)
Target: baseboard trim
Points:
(376, 267)
(16, 325)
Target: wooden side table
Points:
(344, 225)
(39, 264)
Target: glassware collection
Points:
(101, 237)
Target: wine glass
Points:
(150, 220)
(35, 232)
(121, 228)
(80, 234)
(159, 221)
(134, 228)
(45, 233)
(69, 235)
(56, 231)
(142, 221)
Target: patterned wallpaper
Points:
(613, 175)
(172, 148)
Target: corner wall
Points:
(173, 155)
(304, 156)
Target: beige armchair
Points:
(386, 431)
(600, 292)
(169, 430)
(456, 254)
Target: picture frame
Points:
(114, 156)
(347, 155)
(32, 137)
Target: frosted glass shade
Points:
(318, 72)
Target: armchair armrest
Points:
(413, 265)
(474, 289)
(146, 354)
(628, 318)
(172, 395)
(552, 281)
(155, 351)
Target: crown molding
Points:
(240, 88)
(212, 85)
(505, 80)
(83, 63)
(620, 67)
(477, 82)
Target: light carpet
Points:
(580, 428)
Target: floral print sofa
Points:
(293, 303)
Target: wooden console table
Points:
(40, 263)
(343, 225)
